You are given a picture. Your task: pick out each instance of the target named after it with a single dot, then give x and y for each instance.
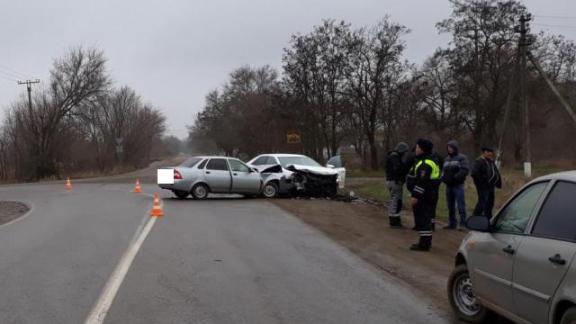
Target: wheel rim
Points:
(464, 297)
(200, 192)
(269, 190)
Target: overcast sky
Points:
(173, 52)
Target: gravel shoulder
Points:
(11, 210)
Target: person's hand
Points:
(413, 201)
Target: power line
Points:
(14, 72)
(9, 74)
(559, 26)
(555, 17)
(7, 77)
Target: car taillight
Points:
(177, 175)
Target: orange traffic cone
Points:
(157, 208)
(68, 184)
(137, 188)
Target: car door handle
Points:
(235, 173)
(207, 172)
(508, 250)
(557, 259)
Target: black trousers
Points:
(424, 211)
(485, 202)
(434, 203)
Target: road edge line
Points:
(31, 208)
(106, 298)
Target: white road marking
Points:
(100, 309)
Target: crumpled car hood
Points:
(312, 169)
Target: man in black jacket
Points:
(395, 178)
(424, 177)
(454, 173)
(486, 178)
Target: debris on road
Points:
(11, 210)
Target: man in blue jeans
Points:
(454, 173)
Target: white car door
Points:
(543, 257)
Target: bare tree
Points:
(315, 68)
(376, 70)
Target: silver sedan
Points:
(201, 175)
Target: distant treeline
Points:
(341, 85)
(77, 122)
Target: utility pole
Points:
(28, 84)
(523, 44)
(524, 54)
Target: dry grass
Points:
(513, 179)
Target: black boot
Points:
(395, 222)
(418, 247)
(424, 244)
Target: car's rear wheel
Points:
(462, 298)
(181, 194)
(569, 316)
(270, 190)
(200, 191)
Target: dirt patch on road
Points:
(364, 230)
(11, 210)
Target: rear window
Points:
(203, 164)
(263, 160)
(557, 218)
(336, 161)
(217, 164)
(190, 162)
(299, 160)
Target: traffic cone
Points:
(156, 207)
(137, 188)
(68, 184)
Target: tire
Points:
(569, 316)
(270, 190)
(200, 191)
(462, 299)
(181, 194)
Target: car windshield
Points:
(300, 160)
(190, 162)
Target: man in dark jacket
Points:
(395, 178)
(424, 177)
(486, 178)
(454, 173)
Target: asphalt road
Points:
(215, 261)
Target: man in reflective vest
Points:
(423, 182)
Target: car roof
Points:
(213, 157)
(566, 175)
(282, 154)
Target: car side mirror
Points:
(330, 166)
(478, 223)
(253, 170)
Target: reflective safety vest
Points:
(435, 175)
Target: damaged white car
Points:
(293, 174)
